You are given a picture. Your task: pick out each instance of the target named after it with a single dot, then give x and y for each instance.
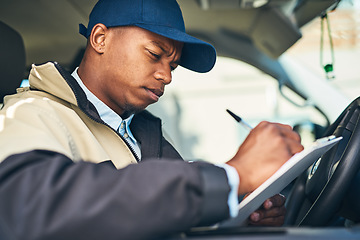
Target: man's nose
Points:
(164, 74)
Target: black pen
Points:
(239, 120)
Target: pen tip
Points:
(230, 112)
(237, 118)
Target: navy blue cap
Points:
(162, 17)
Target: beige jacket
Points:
(50, 119)
(46, 196)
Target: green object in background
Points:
(328, 68)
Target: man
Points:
(82, 159)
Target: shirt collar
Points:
(106, 113)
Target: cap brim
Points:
(197, 55)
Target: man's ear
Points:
(97, 37)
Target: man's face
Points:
(136, 66)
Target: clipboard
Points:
(281, 178)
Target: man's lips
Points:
(155, 93)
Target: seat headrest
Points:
(12, 60)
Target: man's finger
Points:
(277, 200)
(271, 213)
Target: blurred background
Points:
(194, 106)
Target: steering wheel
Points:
(317, 194)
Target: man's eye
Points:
(157, 56)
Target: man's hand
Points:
(271, 213)
(268, 146)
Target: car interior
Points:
(324, 201)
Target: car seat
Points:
(12, 60)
